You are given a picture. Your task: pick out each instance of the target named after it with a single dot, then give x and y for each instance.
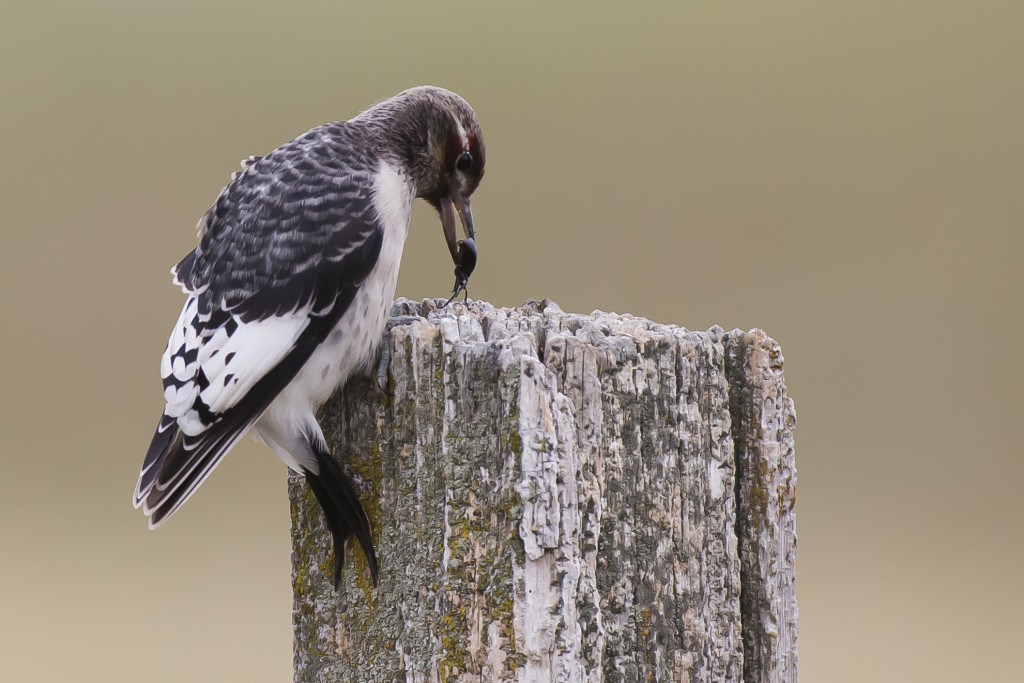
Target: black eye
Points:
(464, 162)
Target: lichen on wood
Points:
(557, 497)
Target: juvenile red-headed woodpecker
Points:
(290, 288)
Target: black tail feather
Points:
(343, 512)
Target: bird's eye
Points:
(464, 162)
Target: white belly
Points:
(352, 345)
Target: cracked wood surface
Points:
(560, 497)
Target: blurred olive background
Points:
(848, 176)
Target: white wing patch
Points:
(219, 366)
(246, 356)
(180, 390)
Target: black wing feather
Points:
(295, 229)
(269, 231)
(189, 459)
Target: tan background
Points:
(848, 176)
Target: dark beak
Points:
(448, 207)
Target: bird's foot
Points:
(384, 350)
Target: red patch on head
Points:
(452, 150)
(476, 151)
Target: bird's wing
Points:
(282, 253)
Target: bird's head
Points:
(437, 135)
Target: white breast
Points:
(352, 345)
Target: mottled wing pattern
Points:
(282, 252)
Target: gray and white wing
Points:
(283, 251)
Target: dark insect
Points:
(464, 268)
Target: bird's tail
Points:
(343, 512)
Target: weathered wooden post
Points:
(559, 497)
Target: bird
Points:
(289, 291)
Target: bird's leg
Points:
(384, 349)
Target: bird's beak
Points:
(449, 206)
